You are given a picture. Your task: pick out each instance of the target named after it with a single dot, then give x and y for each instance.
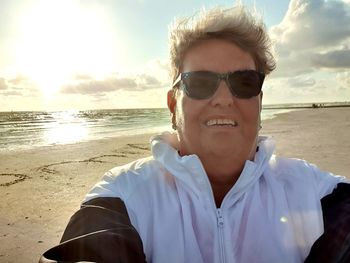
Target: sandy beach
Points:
(41, 188)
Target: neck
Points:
(220, 191)
(222, 174)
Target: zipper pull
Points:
(220, 218)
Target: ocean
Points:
(29, 129)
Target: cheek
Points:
(250, 111)
(188, 114)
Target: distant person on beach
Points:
(213, 191)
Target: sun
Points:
(60, 39)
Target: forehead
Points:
(218, 56)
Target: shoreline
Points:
(81, 143)
(89, 128)
(309, 105)
(306, 105)
(52, 180)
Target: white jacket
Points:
(272, 213)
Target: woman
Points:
(213, 191)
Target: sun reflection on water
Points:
(68, 127)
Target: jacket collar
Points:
(190, 171)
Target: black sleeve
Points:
(334, 244)
(100, 231)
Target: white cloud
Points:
(19, 86)
(92, 86)
(312, 45)
(301, 81)
(12, 93)
(314, 34)
(314, 23)
(331, 59)
(152, 75)
(3, 84)
(21, 81)
(343, 80)
(304, 89)
(143, 87)
(157, 68)
(111, 84)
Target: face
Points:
(197, 120)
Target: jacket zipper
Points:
(220, 221)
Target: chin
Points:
(224, 150)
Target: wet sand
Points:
(41, 188)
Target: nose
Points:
(223, 95)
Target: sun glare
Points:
(68, 128)
(60, 39)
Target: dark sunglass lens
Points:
(200, 85)
(245, 84)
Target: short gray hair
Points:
(236, 25)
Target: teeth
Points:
(221, 122)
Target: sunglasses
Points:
(202, 85)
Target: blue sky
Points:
(89, 54)
(145, 23)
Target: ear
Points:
(171, 100)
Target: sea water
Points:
(28, 129)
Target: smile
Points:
(221, 122)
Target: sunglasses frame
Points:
(220, 77)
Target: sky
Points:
(110, 54)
